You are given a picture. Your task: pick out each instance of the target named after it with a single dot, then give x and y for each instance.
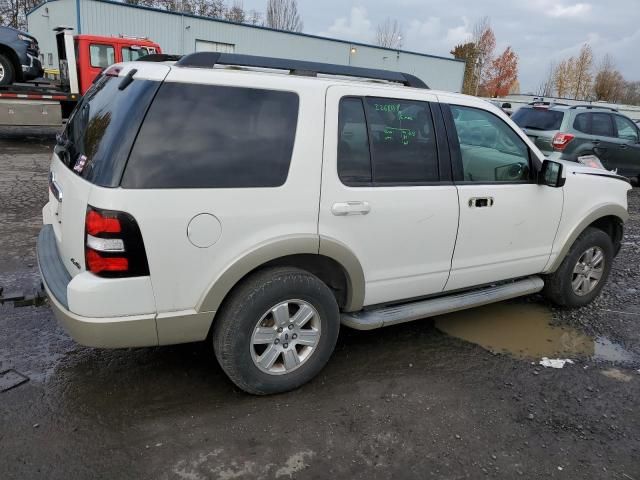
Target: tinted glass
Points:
(102, 128)
(203, 136)
(581, 123)
(491, 151)
(538, 118)
(101, 55)
(354, 161)
(626, 129)
(601, 124)
(403, 141)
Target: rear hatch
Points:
(540, 124)
(94, 148)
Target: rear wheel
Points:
(7, 74)
(584, 271)
(276, 331)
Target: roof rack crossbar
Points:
(211, 59)
(591, 106)
(159, 57)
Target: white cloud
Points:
(569, 11)
(357, 27)
(458, 34)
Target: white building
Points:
(182, 33)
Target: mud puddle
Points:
(525, 331)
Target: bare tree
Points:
(283, 15)
(13, 13)
(547, 86)
(236, 12)
(582, 77)
(254, 17)
(562, 77)
(609, 85)
(389, 34)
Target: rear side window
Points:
(204, 136)
(581, 123)
(538, 118)
(102, 128)
(386, 142)
(601, 124)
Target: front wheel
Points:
(584, 271)
(276, 331)
(7, 75)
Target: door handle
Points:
(481, 202)
(350, 208)
(623, 147)
(596, 142)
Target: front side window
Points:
(101, 55)
(209, 136)
(491, 151)
(601, 124)
(626, 129)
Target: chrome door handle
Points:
(350, 208)
(480, 202)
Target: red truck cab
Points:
(94, 53)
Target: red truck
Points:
(81, 59)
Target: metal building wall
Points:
(178, 34)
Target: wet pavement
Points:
(461, 396)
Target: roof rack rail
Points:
(296, 67)
(549, 103)
(591, 106)
(159, 57)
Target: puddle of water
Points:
(525, 331)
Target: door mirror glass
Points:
(551, 174)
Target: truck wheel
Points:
(276, 331)
(584, 271)
(7, 74)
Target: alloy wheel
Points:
(588, 271)
(285, 337)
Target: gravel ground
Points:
(405, 402)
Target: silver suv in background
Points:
(565, 132)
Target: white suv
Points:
(261, 203)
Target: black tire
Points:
(9, 73)
(558, 286)
(241, 313)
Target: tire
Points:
(251, 306)
(7, 73)
(559, 286)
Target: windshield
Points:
(538, 119)
(101, 129)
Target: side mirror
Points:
(551, 174)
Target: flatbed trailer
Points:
(49, 103)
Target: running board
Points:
(382, 317)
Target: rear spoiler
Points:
(159, 57)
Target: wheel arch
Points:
(608, 218)
(332, 262)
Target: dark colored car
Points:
(565, 132)
(19, 53)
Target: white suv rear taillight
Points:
(113, 244)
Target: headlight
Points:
(25, 38)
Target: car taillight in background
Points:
(113, 244)
(561, 140)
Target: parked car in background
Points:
(565, 132)
(188, 202)
(19, 53)
(504, 106)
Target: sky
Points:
(540, 31)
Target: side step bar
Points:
(382, 317)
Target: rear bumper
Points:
(105, 332)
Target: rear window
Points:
(203, 136)
(538, 119)
(102, 129)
